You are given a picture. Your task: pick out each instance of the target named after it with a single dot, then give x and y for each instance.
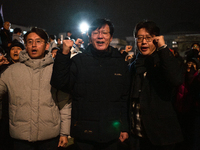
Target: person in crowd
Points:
(155, 73)
(195, 93)
(52, 40)
(59, 43)
(6, 37)
(17, 34)
(15, 48)
(196, 46)
(193, 52)
(35, 121)
(192, 131)
(77, 47)
(185, 103)
(70, 36)
(128, 59)
(6, 142)
(99, 81)
(54, 52)
(124, 50)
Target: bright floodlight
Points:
(84, 27)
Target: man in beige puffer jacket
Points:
(38, 113)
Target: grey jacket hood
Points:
(35, 63)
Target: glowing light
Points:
(84, 27)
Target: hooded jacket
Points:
(33, 104)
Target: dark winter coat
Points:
(155, 93)
(100, 85)
(6, 37)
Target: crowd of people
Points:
(102, 97)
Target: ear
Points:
(90, 40)
(47, 46)
(25, 47)
(111, 38)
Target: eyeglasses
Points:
(37, 42)
(141, 38)
(104, 33)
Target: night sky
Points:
(61, 15)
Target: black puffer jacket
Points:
(99, 82)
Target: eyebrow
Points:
(144, 35)
(33, 39)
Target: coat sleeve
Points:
(125, 105)
(62, 77)
(171, 66)
(63, 100)
(65, 106)
(3, 86)
(3, 90)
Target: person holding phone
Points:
(155, 75)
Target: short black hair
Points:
(57, 48)
(150, 27)
(16, 30)
(99, 23)
(40, 32)
(53, 37)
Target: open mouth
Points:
(144, 48)
(16, 55)
(34, 51)
(100, 42)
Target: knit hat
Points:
(16, 43)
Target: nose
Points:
(100, 35)
(15, 51)
(144, 40)
(34, 43)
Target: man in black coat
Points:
(155, 74)
(6, 37)
(99, 81)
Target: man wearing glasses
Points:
(34, 117)
(99, 81)
(155, 73)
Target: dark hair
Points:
(150, 27)
(57, 48)
(53, 37)
(69, 31)
(40, 32)
(99, 23)
(16, 30)
(16, 43)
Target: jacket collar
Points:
(35, 63)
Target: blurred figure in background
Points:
(54, 52)
(59, 43)
(6, 37)
(52, 42)
(17, 34)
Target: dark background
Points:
(57, 16)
